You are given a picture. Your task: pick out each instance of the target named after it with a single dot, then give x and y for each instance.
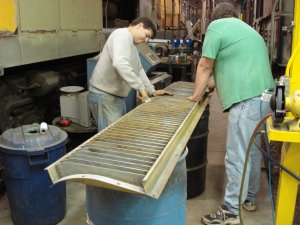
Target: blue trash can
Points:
(26, 152)
(111, 207)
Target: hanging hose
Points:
(288, 67)
(252, 140)
(277, 163)
(269, 167)
(260, 123)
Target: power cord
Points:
(269, 168)
(270, 179)
(277, 163)
(255, 131)
(266, 154)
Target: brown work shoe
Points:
(249, 206)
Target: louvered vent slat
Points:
(138, 152)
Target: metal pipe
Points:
(165, 11)
(272, 30)
(172, 14)
(106, 13)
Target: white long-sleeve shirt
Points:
(119, 67)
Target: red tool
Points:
(64, 122)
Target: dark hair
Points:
(148, 24)
(223, 10)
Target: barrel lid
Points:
(71, 89)
(28, 138)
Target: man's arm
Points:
(149, 88)
(204, 71)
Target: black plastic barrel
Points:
(196, 159)
(26, 152)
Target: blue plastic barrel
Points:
(111, 207)
(26, 153)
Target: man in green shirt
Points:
(236, 55)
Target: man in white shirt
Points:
(118, 70)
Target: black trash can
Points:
(196, 159)
(26, 152)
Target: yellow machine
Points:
(285, 128)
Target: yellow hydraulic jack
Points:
(284, 127)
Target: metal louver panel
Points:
(138, 152)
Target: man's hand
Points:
(193, 98)
(211, 85)
(161, 92)
(203, 74)
(143, 96)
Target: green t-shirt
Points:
(241, 70)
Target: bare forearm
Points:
(202, 78)
(204, 70)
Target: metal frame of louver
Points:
(138, 152)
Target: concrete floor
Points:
(207, 202)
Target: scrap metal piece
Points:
(138, 152)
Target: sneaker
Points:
(222, 216)
(249, 206)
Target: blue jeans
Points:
(106, 108)
(242, 120)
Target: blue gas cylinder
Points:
(175, 42)
(26, 151)
(188, 42)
